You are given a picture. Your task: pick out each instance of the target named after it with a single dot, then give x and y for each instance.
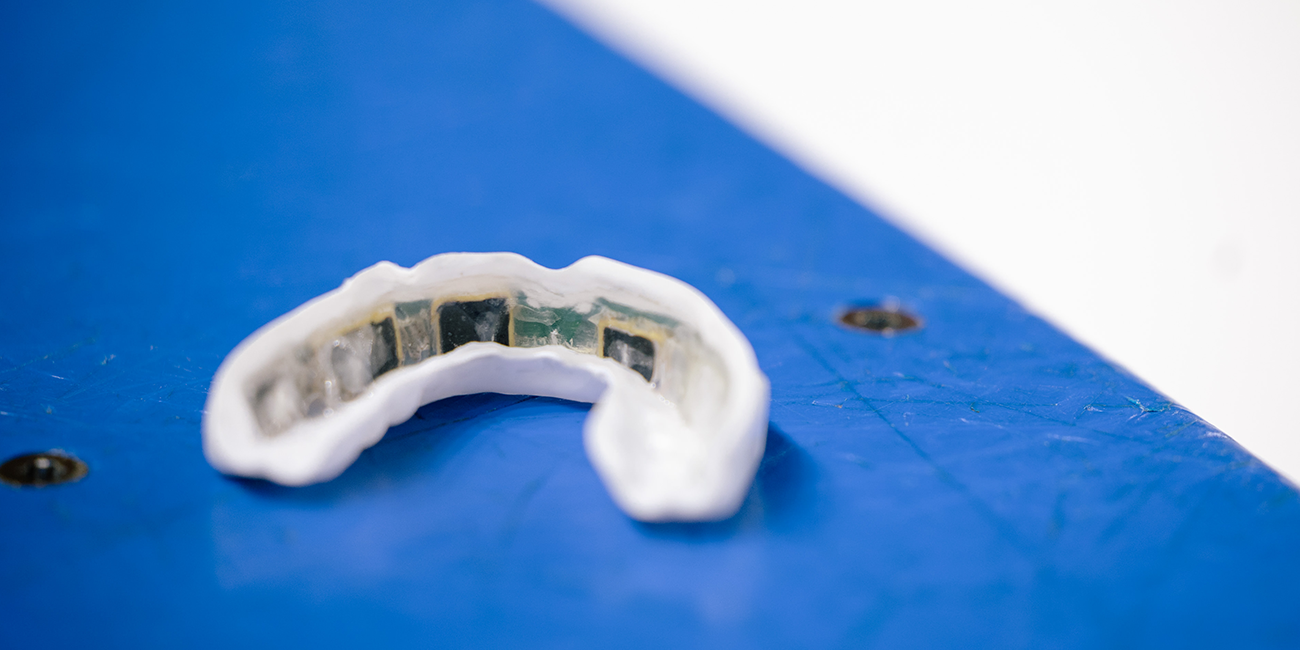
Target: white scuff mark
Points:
(1057, 436)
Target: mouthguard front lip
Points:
(680, 406)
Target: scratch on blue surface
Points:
(848, 386)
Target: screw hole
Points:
(36, 470)
(883, 320)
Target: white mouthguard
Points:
(680, 415)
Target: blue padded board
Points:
(176, 175)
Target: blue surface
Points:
(175, 176)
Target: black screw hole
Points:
(36, 470)
(886, 321)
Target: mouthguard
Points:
(680, 406)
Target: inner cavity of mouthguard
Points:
(339, 364)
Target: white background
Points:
(1129, 170)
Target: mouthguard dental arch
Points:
(680, 406)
